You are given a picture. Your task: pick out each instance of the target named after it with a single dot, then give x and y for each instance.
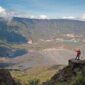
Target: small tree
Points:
(79, 80)
(18, 82)
(34, 82)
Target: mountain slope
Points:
(39, 28)
(41, 37)
(20, 30)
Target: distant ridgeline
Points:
(21, 30)
(73, 74)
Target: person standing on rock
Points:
(78, 54)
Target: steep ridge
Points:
(6, 78)
(73, 74)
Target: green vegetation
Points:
(73, 74)
(18, 82)
(34, 82)
(43, 73)
(79, 80)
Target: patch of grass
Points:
(43, 73)
(34, 82)
(79, 80)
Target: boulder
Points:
(6, 78)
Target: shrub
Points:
(79, 80)
(34, 82)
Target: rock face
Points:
(6, 78)
(76, 63)
(68, 72)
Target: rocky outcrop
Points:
(67, 73)
(73, 63)
(6, 78)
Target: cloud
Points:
(2, 12)
(21, 14)
(6, 15)
(39, 17)
(43, 17)
(68, 17)
(32, 17)
(82, 17)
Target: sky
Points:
(44, 8)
